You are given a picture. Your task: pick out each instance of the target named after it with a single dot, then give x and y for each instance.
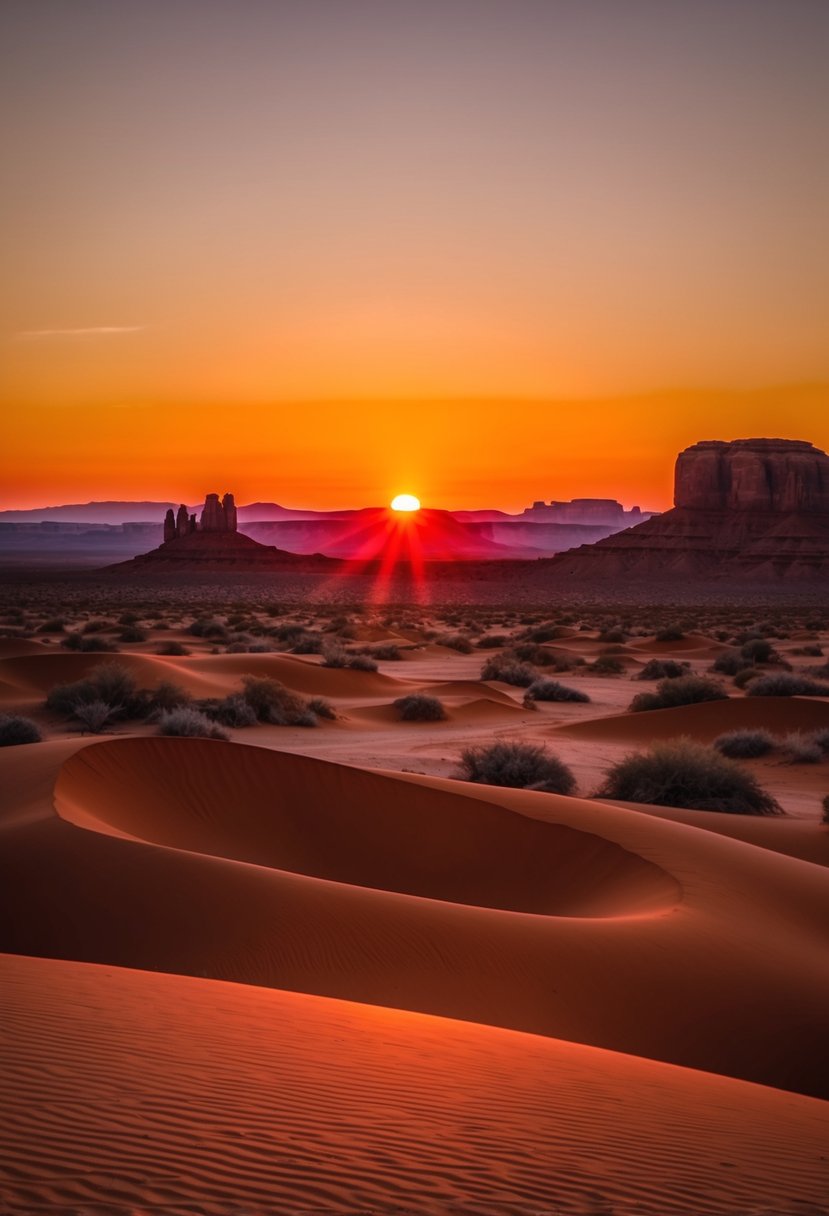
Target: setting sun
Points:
(405, 502)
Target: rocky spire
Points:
(212, 516)
(229, 509)
(182, 527)
(169, 526)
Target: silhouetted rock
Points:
(751, 508)
(229, 509)
(213, 546)
(212, 516)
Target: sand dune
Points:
(803, 838)
(295, 1103)
(705, 720)
(631, 933)
(33, 675)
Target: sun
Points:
(405, 502)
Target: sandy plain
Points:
(309, 970)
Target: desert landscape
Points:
(414, 608)
(308, 965)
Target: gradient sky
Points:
(320, 251)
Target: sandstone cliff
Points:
(751, 508)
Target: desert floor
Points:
(309, 970)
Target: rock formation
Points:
(751, 508)
(213, 545)
(588, 511)
(752, 475)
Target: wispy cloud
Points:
(91, 331)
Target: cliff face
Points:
(752, 508)
(752, 475)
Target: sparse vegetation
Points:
(189, 723)
(689, 775)
(786, 684)
(16, 730)
(800, 747)
(272, 702)
(745, 744)
(417, 707)
(552, 690)
(509, 670)
(517, 766)
(662, 669)
(672, 633)
(682, 690)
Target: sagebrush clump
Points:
(745, 744)
(682, 690)
(417, 707)
(682, 773)
(517, 766)
(15, 730)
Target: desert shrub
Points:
(517, 766)
(15, 730)
(684, 690)
(274, 703)
(95, 716)
(189, 723)
(173, 649)
(509, 670)
(607, 665)
(492, 641)
(334, 655)
(362, 662)
(62, 698)
(825, 805)
(614, 634)
(455, 641)
(743, 678)
(798, 747)
(662, 669)
(387, 652)
(322, 708)
(132, 633)
(115, 684)
(682, 773)
(417, 707)
(540, 656)
(57, 624)
(307, 643)
(757, 650)
(552, 690)
(108, 682)
(808, 651)
(208, 628)
(786, 684)
(87, 643)
(672, 633)
(232, 711)
(730, 662)
(744, 744)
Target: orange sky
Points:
(570, 238)
(451, 454)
